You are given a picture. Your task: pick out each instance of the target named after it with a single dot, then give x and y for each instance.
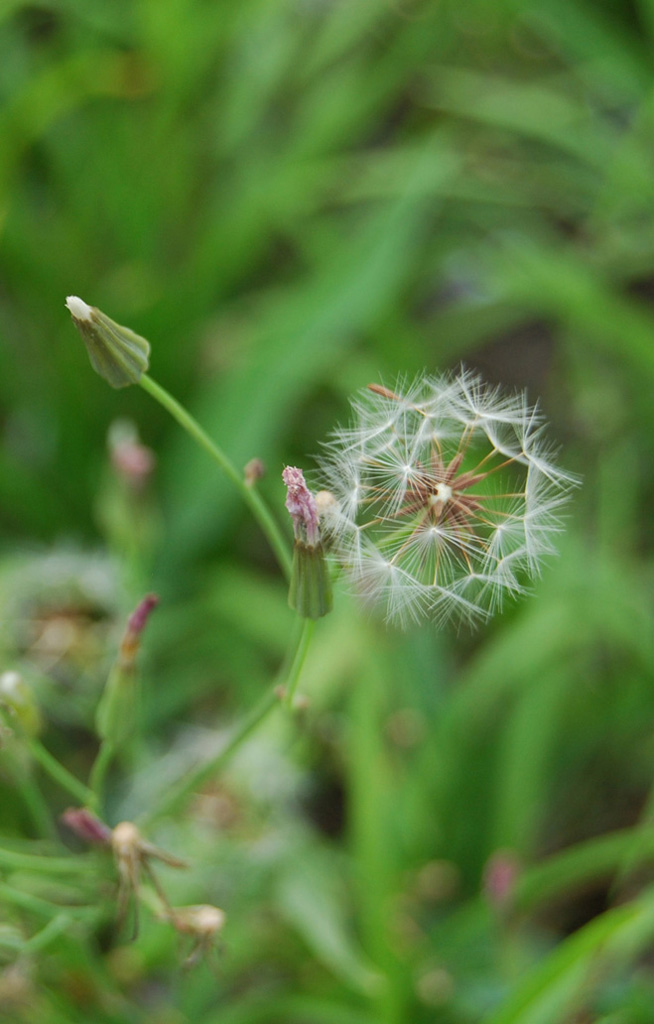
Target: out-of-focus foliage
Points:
(290, 198)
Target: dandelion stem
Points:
(41, 863)
(32, 797)
(59, 925)
(298, 661)
(60, 774)
(50, 765)
(99, 772)
(194, 779)
(250, 495)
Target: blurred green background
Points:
(290, 199)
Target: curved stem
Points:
(250, 496)
(199, 775)
(196, 777)
(60, 774)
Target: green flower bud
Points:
(116, 711)
(116, 353)
(310, 593)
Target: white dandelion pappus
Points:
(447, 497)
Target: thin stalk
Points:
(99, 771)
(58, 773)
(41, 863)
(32, 797)
(306, 635)
(59, 925)
(180, 793)
(283, 689)
(43, 908)
(250, 496)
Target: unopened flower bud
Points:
(136, 623)
(85, 825)
(116, 709)
(19, 697)
(310, 592)
(254, 471)
(132, 461)
(116, 353)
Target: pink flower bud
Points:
(85, 825)
(301, 505)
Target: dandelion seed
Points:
(446, 497)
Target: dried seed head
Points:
(201, 920)
(203, 923)
(132, 854)
(126, 841)
(447, 494)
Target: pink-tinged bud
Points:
(132, 461)
(310, 593)
(114, 717)
(136, 623)
(139, 617)
(254, 471)
(500, 876)
(301, 505)
(86, 826)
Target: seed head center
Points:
(441, 493)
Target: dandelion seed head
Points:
(446, 497)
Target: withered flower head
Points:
(132, 854)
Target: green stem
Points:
(32, 797)
(306, 635)
(42, 864)
(59, 925)
(99, 771)
(251, 497)
(196, 778)
(180, 793)
(40, 907)
(57, 772)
